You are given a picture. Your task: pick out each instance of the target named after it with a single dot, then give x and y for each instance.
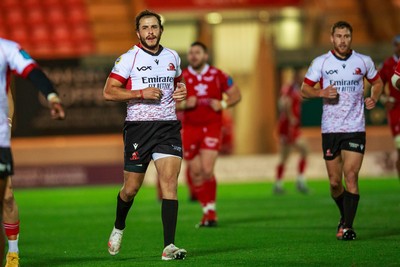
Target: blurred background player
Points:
(289, 123)
(391, 97)
(341, 74)
(13, 59)
(202, 124)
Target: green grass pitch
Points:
(71, 226)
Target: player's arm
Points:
(41, 82)
(376, 91)
(233, 96)
(114, 90)
(308, 91)
(188, 103)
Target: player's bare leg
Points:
(280, 169)
(3, 183)
(335, 172)
(168, 170)
(11, 224)
(132, 183)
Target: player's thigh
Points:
(335, 170)
(352, 162)
(132, 182)
(168, 168)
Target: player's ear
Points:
(137, 34)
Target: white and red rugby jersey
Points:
(13, 60)
(345, 114)
(138, 69)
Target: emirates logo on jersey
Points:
(171, 67)
(357, 71)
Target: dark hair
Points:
(203, 46)
(148, 13)
(341, 25)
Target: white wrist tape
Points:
(224, 104)
(53, 97)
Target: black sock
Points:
(169, 216)
(122, 211)
(339, 202)
(350, 203)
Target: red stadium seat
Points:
(40, 34)
(56, 15)
(36, 16)
(15, 17)
(77, 15)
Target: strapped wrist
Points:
(224, 104)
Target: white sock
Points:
(279, 183)
(300, 178)
(13, 246)
(211, 206)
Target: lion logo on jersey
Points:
(357, 71)
(171, 67)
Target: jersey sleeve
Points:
(226, 81)
(372, 73)
(19, 61)
(178, 67)
(122, 68)
(313, 74)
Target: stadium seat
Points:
(35, 16)
(56, 16)
(15, 18)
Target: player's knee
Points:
(129, 193)
(335, 184)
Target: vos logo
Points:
(143, 68)
(330, 72)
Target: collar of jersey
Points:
(148, 52)
(343, 59)
(203, 71)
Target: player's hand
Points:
(180, 92)
(152, 93)
(329, 92)
(215, 104)
(57, 111)
(369, 103)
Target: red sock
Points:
(279, 171)
(302, 165)
(201, 194)
(11, 228)
(211, 186)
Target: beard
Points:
(148, 46)
(342, 50)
